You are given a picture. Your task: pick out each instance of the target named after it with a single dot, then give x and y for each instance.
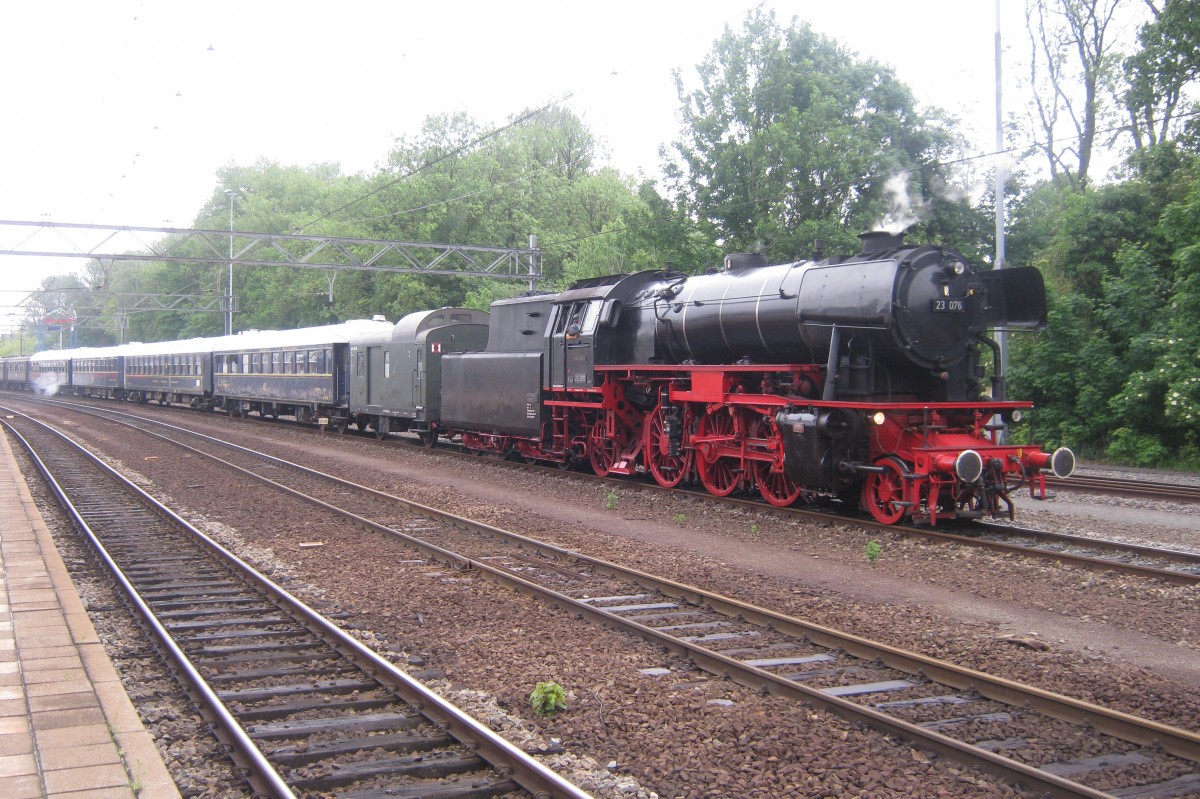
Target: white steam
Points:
(904, 212)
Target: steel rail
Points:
(1173, 576)
(1175, 741)
(1116, 486)
(261, 774)
(496, 750)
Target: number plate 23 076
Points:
(948, 305)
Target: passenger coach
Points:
(14, 372)
(170, 371)
(301, 373)
(50, 371)
(97, 372)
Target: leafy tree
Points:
(1072, 80)
(1159, 74)
(789, 138)
(1124, 334)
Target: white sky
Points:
(120, 112)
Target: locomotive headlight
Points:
(1016, 415)
(955, 268)
(878, 418)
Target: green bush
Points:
(1130, 447)
(873, 550)
(548, 698)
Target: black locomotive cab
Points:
(590, 327)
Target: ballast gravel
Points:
(1127, 643)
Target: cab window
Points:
(579, 319)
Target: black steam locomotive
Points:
(860, 377)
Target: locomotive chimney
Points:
(743, 260)
(876, 240)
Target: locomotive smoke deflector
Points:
(1016, 298)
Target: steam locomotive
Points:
(859, 377)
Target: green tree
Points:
(789, 138)
(1073, 80)
(1113, 374)
(1159, 74)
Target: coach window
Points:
(275, 363)
(287, 363)
(387, 364)
(256, 363)
(301, 361)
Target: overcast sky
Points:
(121, 112)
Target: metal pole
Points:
(229, 293)
(1001, 177)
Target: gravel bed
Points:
(686, 734)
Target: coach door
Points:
(378, 371)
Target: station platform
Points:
(67, 726)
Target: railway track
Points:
(1122, 487)
(304, 708)
(1045, 743)
(1175, 566)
